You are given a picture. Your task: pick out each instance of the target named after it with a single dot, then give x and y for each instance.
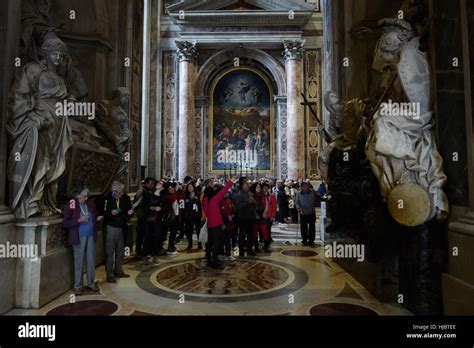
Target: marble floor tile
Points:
(291, 280)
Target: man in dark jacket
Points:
(247, 211)
(115, 207)
(147, 186)
(282, 202)
(306, 205)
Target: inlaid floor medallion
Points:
(88, 307)
(299, 253)
(241, 280)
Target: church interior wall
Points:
(98, 39)
(452, 114)
(105, 32)
(169, 32)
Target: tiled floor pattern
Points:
(291, 280)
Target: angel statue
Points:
(113, 121)
(346, 129)
(39, 138)
(401, 146)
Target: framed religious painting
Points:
(241, 123)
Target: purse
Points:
(203, 234)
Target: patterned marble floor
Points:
(291, 280)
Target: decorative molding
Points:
(251, 39)
(186, 51)
(267, 12)
(293, 49)
(281, 130)
(198, 121)
(209, 68)
(202, 118)
(169, 114)
(56, 237)
(316, 4)
(312, 91)
(219, 5)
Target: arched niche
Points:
(207, 74)
(223, 59)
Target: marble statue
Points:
(401, 145)
(36, 25)
(333, 104)
(346, 127)
(113, 122)
(39, 138)
(354, 202)
(36, 22)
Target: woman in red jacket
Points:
(211, 207)
(267, 202)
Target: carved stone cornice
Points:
(293, 50)
(187, 51)
(266, 12)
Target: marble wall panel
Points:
(312, 91)
(170, 116)
(450, 99)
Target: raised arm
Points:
(222, 192)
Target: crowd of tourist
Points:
(235, 216)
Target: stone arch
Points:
(218, 61)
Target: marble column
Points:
(293, 54)
(187, 53)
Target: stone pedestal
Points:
(458, 284)
(7, 268)
(187, 53)
(40, 280)
(293, 54)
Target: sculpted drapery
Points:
(402, 148)
(39, 138)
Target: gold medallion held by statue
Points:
(409, 204)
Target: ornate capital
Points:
(186, 50)
(293, 49)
